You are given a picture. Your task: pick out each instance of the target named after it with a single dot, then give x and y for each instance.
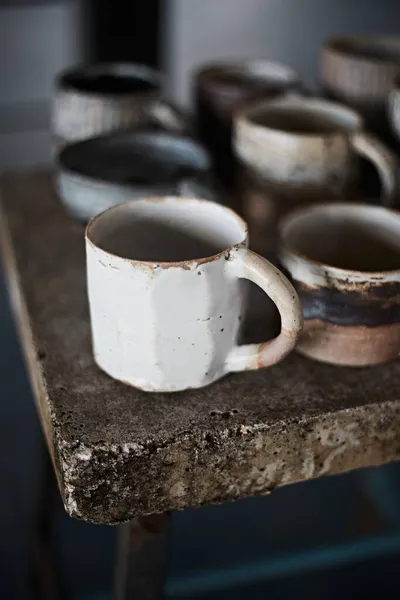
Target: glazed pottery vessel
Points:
(359, 71)
(297, 151)
(99, 98)
(165, 294)
(97, 173)
(344, 261)
(221, 88)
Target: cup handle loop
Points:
(385, 161)
(246, 264)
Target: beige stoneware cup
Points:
(344, 262)
(297, 151)
(166, 300)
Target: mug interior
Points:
(166, 230)
(146, 158)
(352, 237)
(305, 117)
(111, 79)
(377, 48)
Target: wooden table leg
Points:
(141, 561)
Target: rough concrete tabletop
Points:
(119, 452)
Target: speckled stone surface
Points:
(119, 452)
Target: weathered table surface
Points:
(119, 452)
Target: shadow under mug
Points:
(344, 262)
(165, 294)
(104, 97)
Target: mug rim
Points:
(175, 199)
(133, 70)
(245, 116)
(338, 272)
(346, 46)
(64, 168)
(245, 67)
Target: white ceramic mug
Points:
(165, 297)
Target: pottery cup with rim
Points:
(344, 262)
(166, 301)
(297, 151)
(359, 71)
(99, 98)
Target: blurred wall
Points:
(35, 43)
(196, 31)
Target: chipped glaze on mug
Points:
(169, 325)
(352, 317)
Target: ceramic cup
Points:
(344, 262)
(296, 151)
(165, 294)
(394, 107)
(104, 97)
(97, 173)
(359, 71)
(221, 88)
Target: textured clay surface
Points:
(121, 453)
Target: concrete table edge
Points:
(103, 482)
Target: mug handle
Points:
(168, 116)
(246, 264)
(385, 161)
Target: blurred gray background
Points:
(38, 39)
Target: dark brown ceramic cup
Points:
(344, 262)
(221, 88)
